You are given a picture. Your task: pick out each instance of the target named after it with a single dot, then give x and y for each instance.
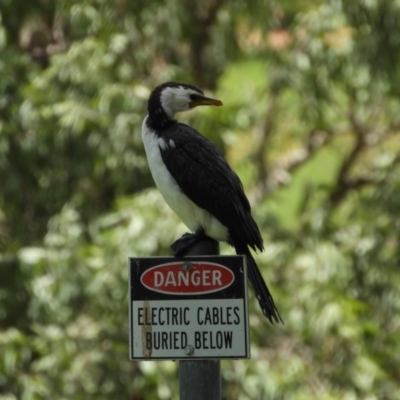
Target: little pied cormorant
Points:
(197, 182)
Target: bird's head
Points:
(173, 97)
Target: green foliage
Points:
(310, 122)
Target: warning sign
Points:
(192, 307)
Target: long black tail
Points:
(263, 295)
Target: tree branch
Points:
(281, 174)
(345, 183)
(204, 22)
(266, 132)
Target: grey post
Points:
(200, 379)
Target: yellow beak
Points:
(205, 101)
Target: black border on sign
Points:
(238, 289)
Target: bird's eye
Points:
(195, 97)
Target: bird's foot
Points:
(182, 245)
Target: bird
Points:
(198, 184)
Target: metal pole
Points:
(200, 379)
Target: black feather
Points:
(206, 178)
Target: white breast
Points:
(192, 216)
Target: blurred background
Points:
(310, 122)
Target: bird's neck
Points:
(158, 119)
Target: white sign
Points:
(181, 311)
(174, 328)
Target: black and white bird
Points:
(197, 182)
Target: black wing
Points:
(206, 178)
